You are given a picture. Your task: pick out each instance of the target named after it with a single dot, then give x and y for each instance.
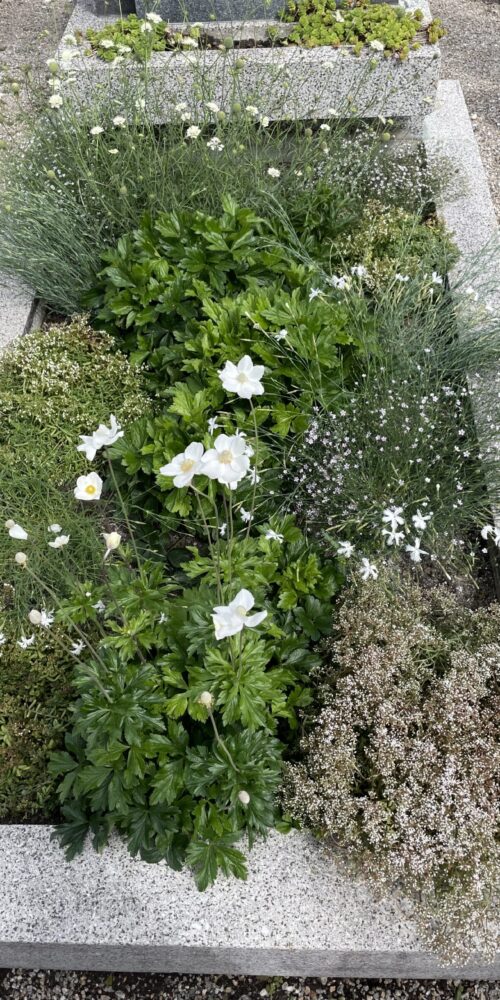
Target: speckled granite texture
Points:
(296, 913)
(297, 82)
(18, 311)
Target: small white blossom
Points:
(23, 642)
(416, 552)
(146, 27)
(393, 537)
(244, 797)
(154, 18)
(222, 530)
(251, 109)
(313, 294)
(107, 43)
(345, 549)
(264, 121)
(325, 128)
(88, 487)
(275, 536)
(55, 101)
(436, 278)
(212, 106)
(206, 699)
(46, 619)
(274, 172)
(358, 271)
(215, 144)
(59, 542)
(96, 130)
(193, 132)
(245, 515)
(212, 424)
(420, 520)
(119, 121)
(77, 648)
(378, 46)
(281, 334)
(392, 516)
(54, 528)
(21, 558)
(368, 570)
(99, 606)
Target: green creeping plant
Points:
(179, 780)
(323, 22)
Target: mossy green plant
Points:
(133, 38)
(382, 27)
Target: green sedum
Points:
(322, 22)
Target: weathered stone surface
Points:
(296, 914)
(18, 310)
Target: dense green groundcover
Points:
(266, 404)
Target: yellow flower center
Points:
(90, 489)
(226, 457)
(241, 611)
(187, 465)
(242, 377)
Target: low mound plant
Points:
(400, 760)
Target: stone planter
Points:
(283, 82)
(221, 10)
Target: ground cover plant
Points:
(400, 760)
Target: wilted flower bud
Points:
(21, 558)
(35, 617)
(206, 699)
(244, 797)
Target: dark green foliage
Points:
(146, 756)
(35, 697)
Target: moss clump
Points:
(35, 693)
(380, 26)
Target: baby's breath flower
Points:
(274, 172)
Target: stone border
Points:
(20, 311)
(297, 914)
(298, 82)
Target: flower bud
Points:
(10, 524)
(244, 797)
(35, 617)
(206, 699)
(21, 558)
(112, 541)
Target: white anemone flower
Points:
(185, 465)
(88, 487)
(368, 570)
(232, 618)
(15, 531)
(274, 536)
(59, 542)
(103, 437)
(228, 461)
(415, 552)
(420, 520)
(244, 378)
(112, 541)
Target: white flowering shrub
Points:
(401, 760)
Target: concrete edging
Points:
(298, 914)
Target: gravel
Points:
(21, 985)
(471, 53)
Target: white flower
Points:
(112, 541)
(99, 606)
(378, 46)
(472, 292)
(154, 18)
(223, 529)
(59, 542)
(245, 515)
(345, 549)
(185, 465)
(113, 152)
(313, 294)
(212, 106)
(230, 619)
(103, 437)
(264, 121)
(189, 43)
(253, 476)
(487, 531)
(77, 648)
(88, 487)
(35, 617)
(420, 520)
(215, 144)
(251, 109)
(416, 552)
(107, 43)
(23, 642)
(401, 277)
(274, 536)
(124, 50)
(212, 424)
(274, 172)
(206, 699)
(243, 378)
(10, 524)
(54, 528)
(244, 797)
(146, 27)
(281, 334)
(180, 107)
(15, 531)
(55, 101)
(21, 558)
(52, 64)
(392, 516)
(186, 116)
(358, 271)
(69, 40)
(140, 103)
(228, 461)
(341, 282)
(96, 130)
(46, 619)
(193, 132)
(119, 121)
(338, 17)
(325, 128)
(368, 570)
(3, 638)
(393, 537)
(66, 56)
(54, 83)
(436, 278)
